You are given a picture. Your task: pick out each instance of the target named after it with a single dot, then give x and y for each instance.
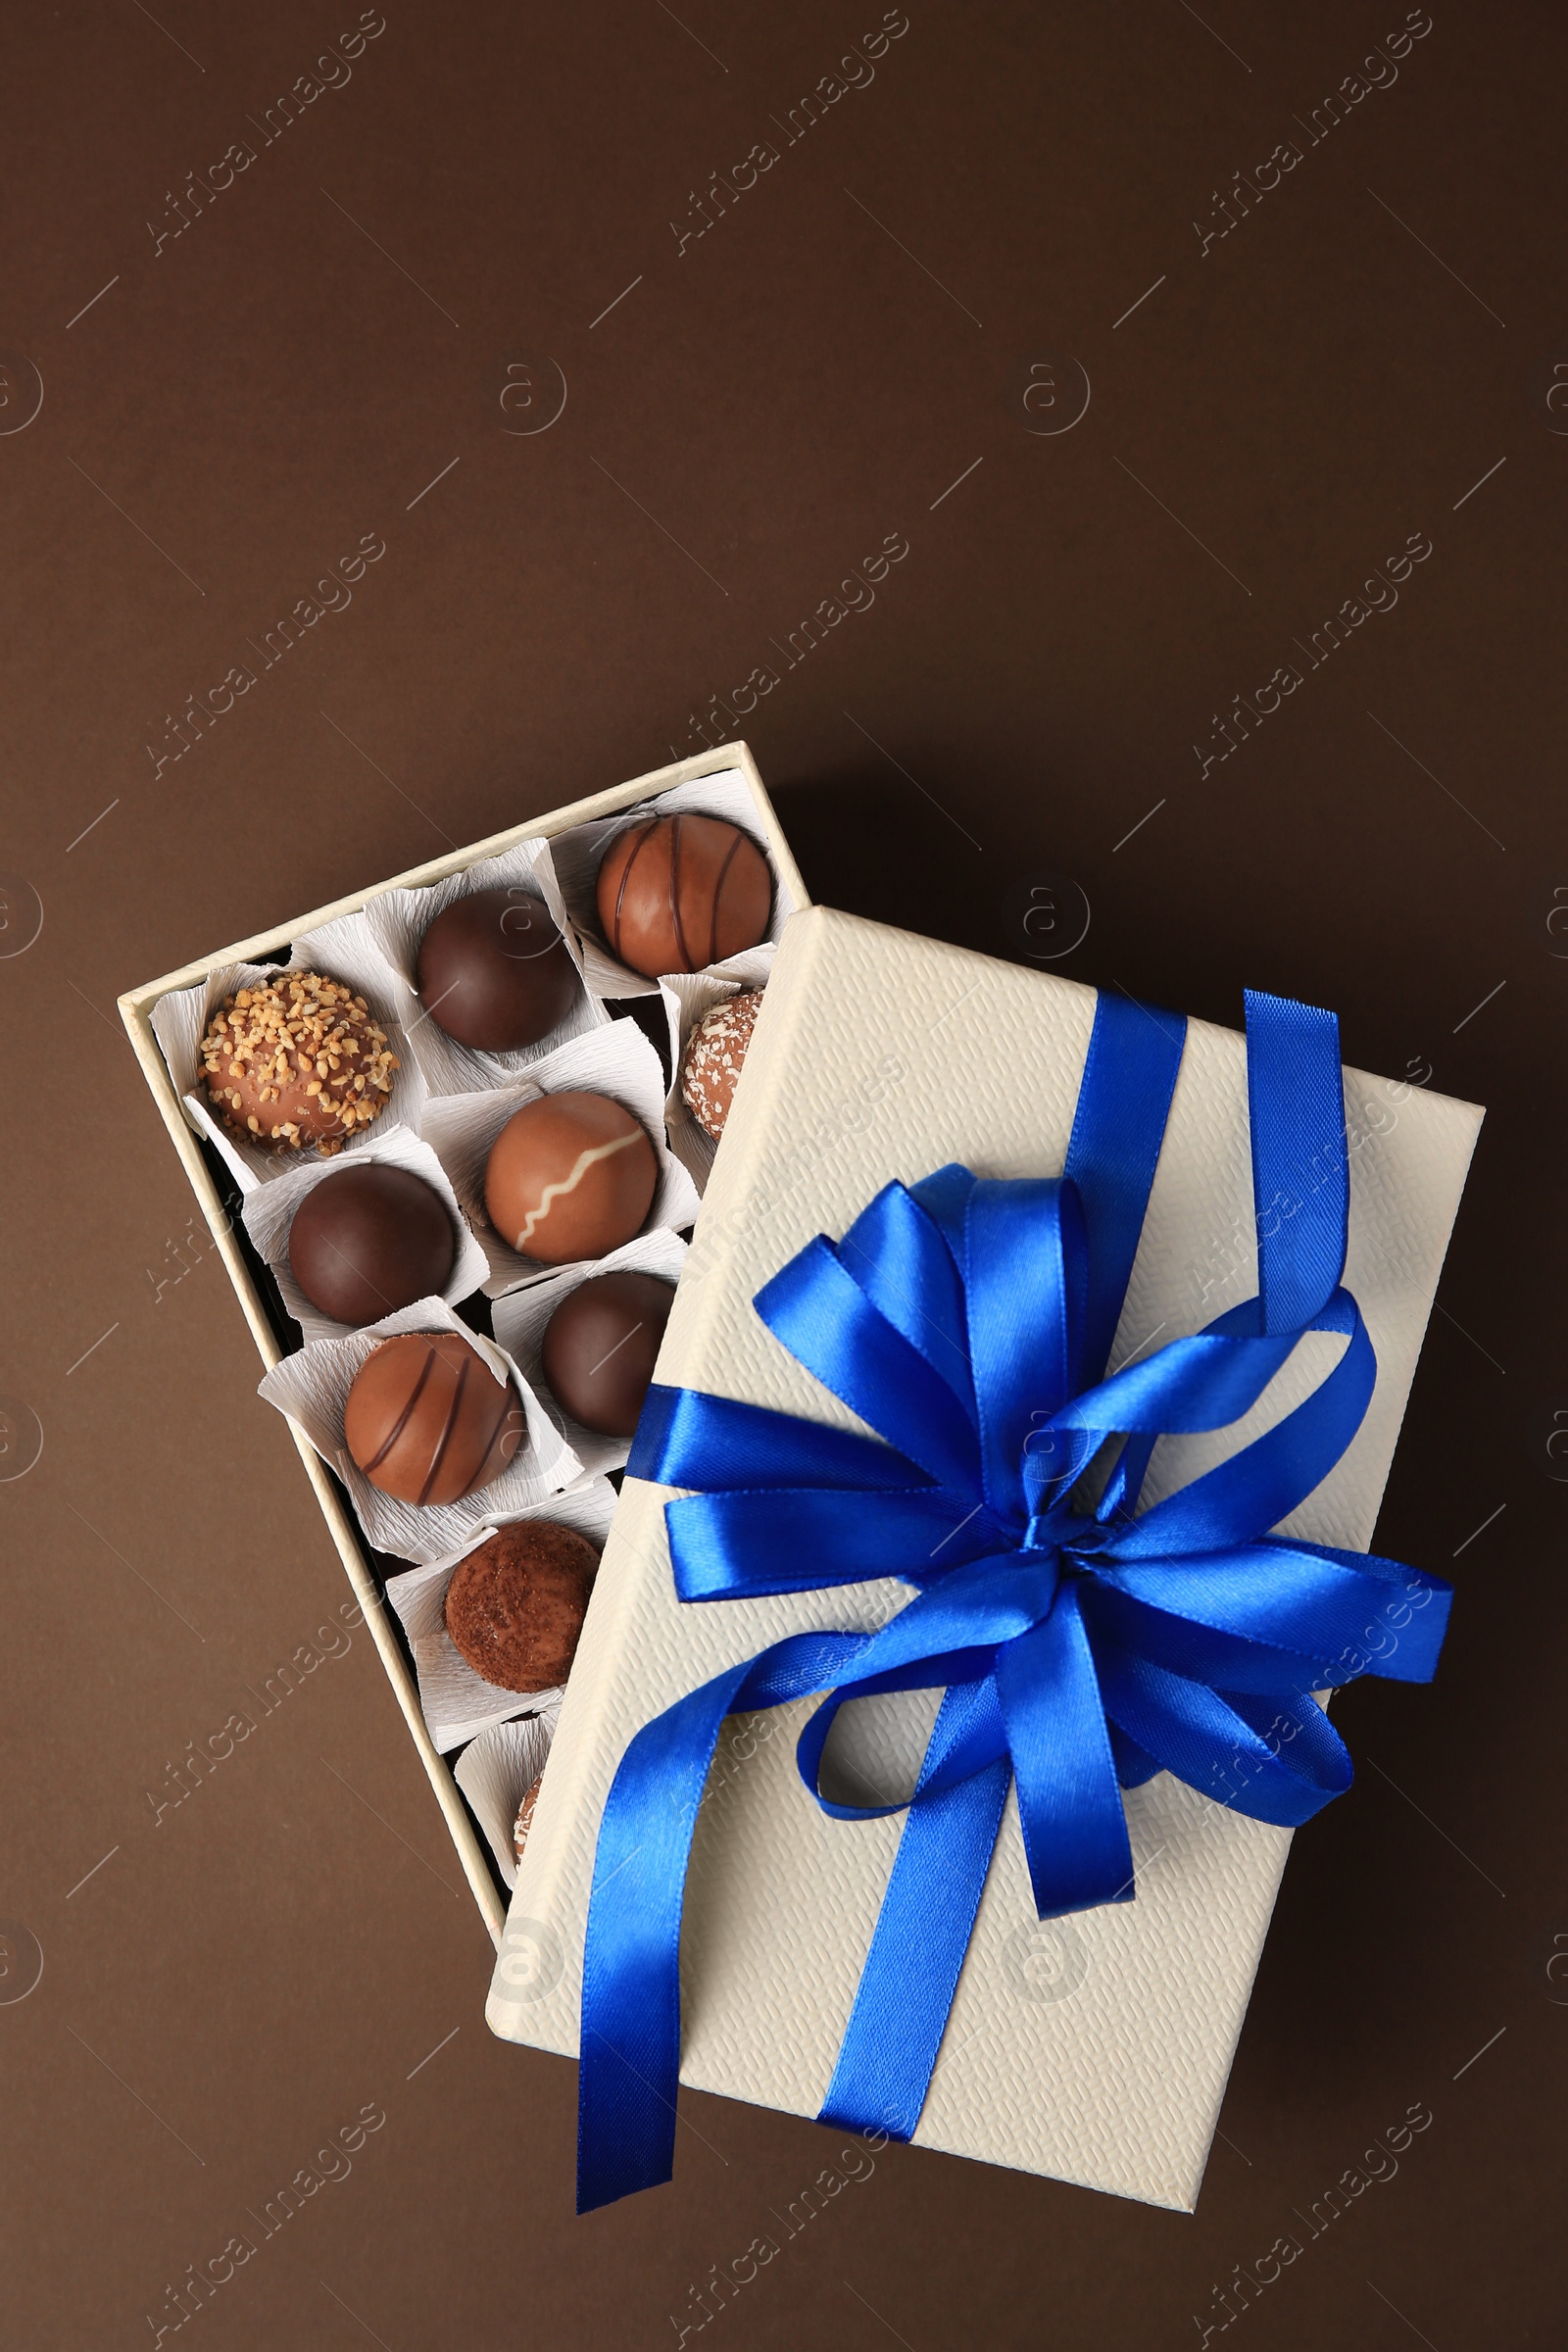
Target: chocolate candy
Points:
(427, 1421)
(514, 1608)
(714, 1052)
(525, 1821)
(598, 1349)
(494, 971)
(569, 1176)
(296, 1060)
(368, 1240)
(677, 892)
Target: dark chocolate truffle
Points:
(368, 1240)
(514, 1608)
(525, 1821)
(296, 1060)
(681, 891)
(495, 972)
(427, 1421)
(714, 1052)
(569, 1176)
(598, 1349)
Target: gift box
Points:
(439, 1104)
(1094, 2045)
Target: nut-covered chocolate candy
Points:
(569, 1176)
(714, 1052)
(427, 1421)
(296, 1060)
(525, 1821)
(495, 972)
(368, 1240)
(514, 1608)
(677, 892)
(600, 1345)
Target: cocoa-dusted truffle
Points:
(714, 1052)
(569, 1176)
(677, 892)
(296, 1060)
(427, 1421)
(514, 1608)
(600, 1345)
(525, 1821)
(495, 972)
(368, 1240)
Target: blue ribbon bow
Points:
(1079, 1649)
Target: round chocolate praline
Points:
(296, 1060)
(368, 1240)
(495, 972)
(569, 1176)
(427, 1421)
(716, 1052)
(600, 1347)
(525, 1811)
(514, 1608)
(678, 893)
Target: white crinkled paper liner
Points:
(399, 920)
(688, 998)
(312, 1388)
(616, 1060)
(521, 1318)
(496, 1771)
(578, 854)
(457, 1703)
(342, 950)
(269, 1217)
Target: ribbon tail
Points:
(889, 2051)
(1069, 1805)
(629, 2066)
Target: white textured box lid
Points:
(1094, 2049)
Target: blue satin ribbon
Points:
(1080, 1645)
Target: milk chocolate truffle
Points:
(681, 891)
(495, 972)
(368, 1240)
(427, 1421)
(514, 1608)
(296, 1060)
(714, 1052)
(598, 1349)
(569, 1176)
(525, 1821)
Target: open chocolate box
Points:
(622, 1035)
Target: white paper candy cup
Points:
(578, 853)
(342, 950)
(399, 920)
(269, 1216)
(496, 1771)
(616, 1060)
(688, 998)
(457, 1703)
(311, 1389)
(521, 1318)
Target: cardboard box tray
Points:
(273, 1330)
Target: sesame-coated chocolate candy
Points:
(714, 1052)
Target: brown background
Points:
(241, 1974)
